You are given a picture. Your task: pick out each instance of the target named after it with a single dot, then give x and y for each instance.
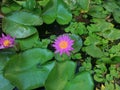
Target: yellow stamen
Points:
(63, 44)
(6, 43)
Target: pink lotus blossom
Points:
(6, 41)
(63, 44)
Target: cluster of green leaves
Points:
(101, 42)
(31, 64)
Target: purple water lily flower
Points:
(6, 41)
(63, 44)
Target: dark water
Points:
(46, 30)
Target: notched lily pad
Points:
(56, 10)
(29, 70)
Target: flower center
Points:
(63, 44)
(6, 43)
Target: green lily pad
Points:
(29, 70)
(4, 83)
(94, 51)
(17, 30)
(27, 43)
(59, 76)
(82, 81)
(62, 77)
(25, 18)
(56, 10)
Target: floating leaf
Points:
(10, 8)
(62, 57)
(63, 78)
(5, 57)
(83, 81)
(91, 48)
(100, 26)
(29, 70)
(94, 51)
(43, 2)
(116, 15)
(17, 30)
(76, 56)
(25, 18)
(115, 49)
(5, 84)
(76, 28)
(100, 72)
(60, 75)
(84, 4)
(56, 10)
(97, 11)
(27, 43)
(112, 34)
(30, 4)
(115, 60)
(110, 6)
(77, 42)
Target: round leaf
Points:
(29, 70)
(27, 43)
(59, 76)
(77, 42)
(17, 30)
(5, 84)
(56, 10)
(5, 55)
(83, 81)
(64, 16)
(25, 18)
(94, 51)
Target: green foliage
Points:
(17, 30)
(76, 28)
(8, 7)
(97, 11)
(109, 86)
(56, 10)
(43, 2)
(84, 4)
(5, 57)
(115, 49)
(34, 69)
(81, 79)
(108, 76)
(25, 18)
(29, 42)
(110, 83)
(77, 56)
(4, 83)
(113, 7)
(62, 57)
(100, 72)
(29, 4)
(92, 24)
(86, 66)
(62, 72)
(92, 49)
(77, 42)
(64, 78)
(115, 59)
